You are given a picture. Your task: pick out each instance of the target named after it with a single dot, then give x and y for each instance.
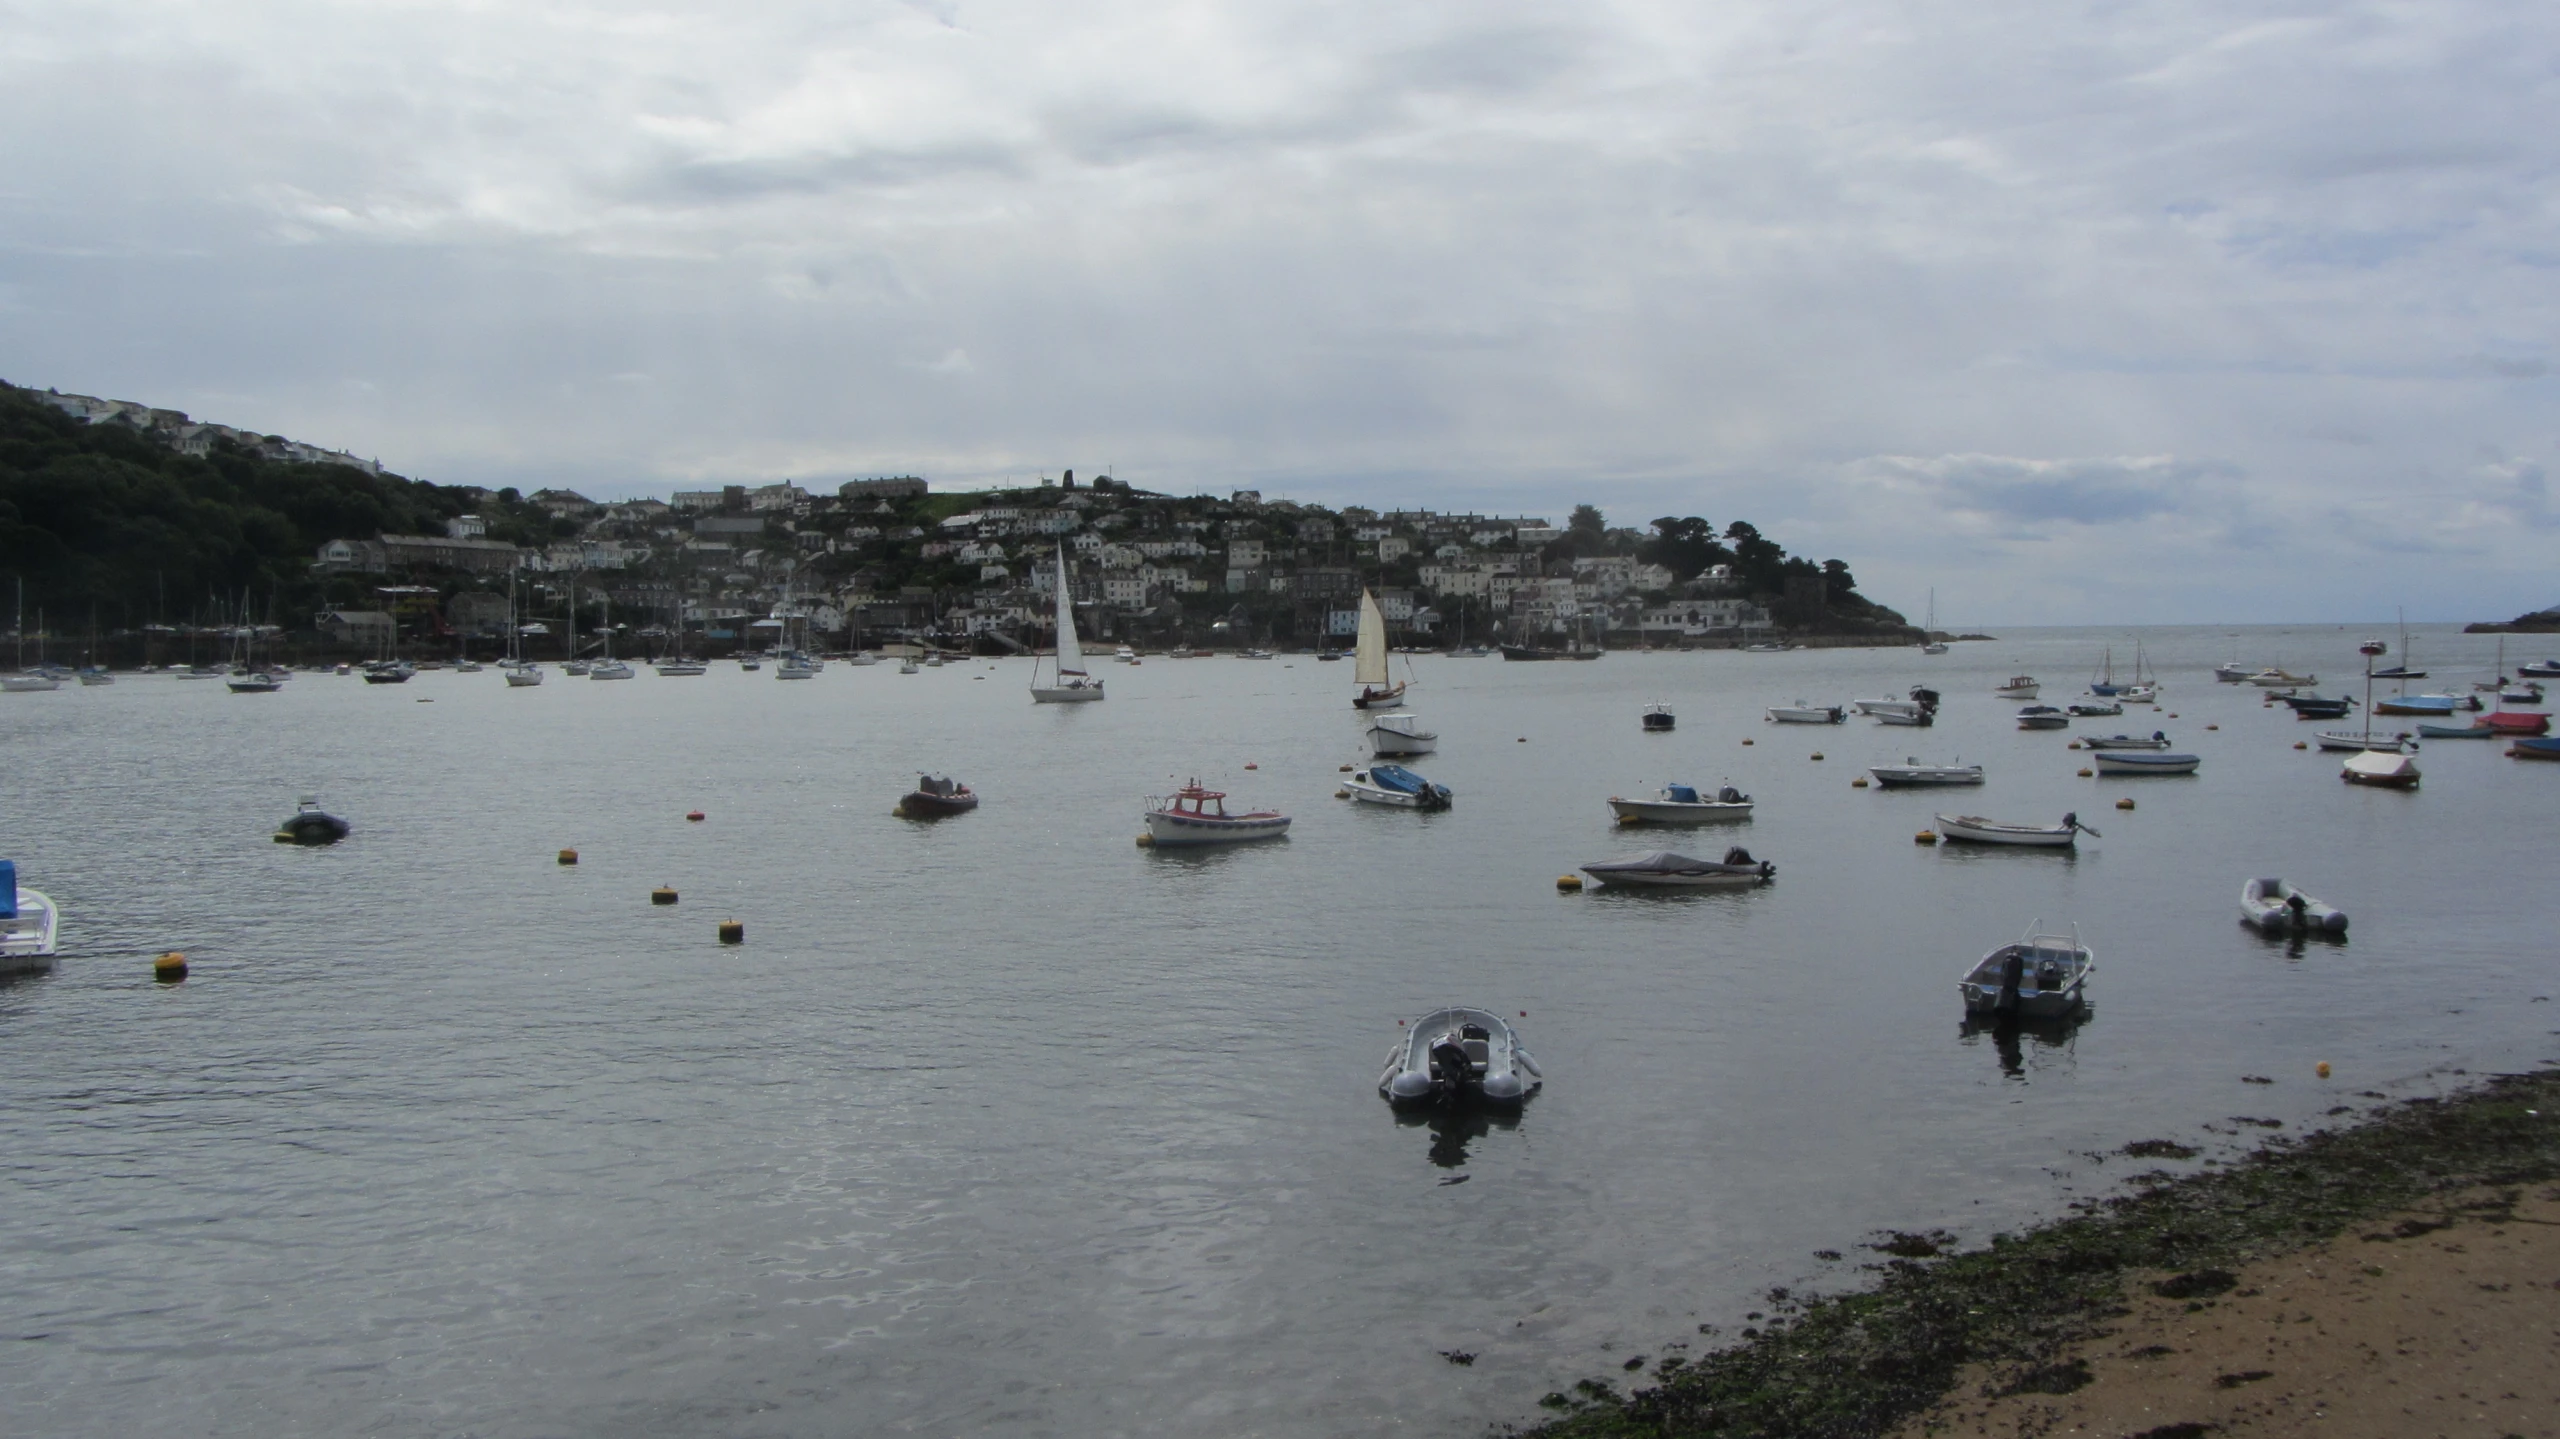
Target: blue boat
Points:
(2446, 731)
(2547, 747)
(1396, 786)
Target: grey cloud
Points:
(2076, 491)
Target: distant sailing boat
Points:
(1930, 644)
(1069, 684)
(1369, 661)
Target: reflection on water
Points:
(2055, 1040)
(1454, 1126)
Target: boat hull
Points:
(1972, 829)
(1805, 714)
(2534, 749)
(1655, 811)
(27, 942)
(1177, 829)
(919, 805)
(2122, 762)
(2266, 905)
(1066, 694)
(1926, 776)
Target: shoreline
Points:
(1938, 1325)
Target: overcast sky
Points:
(2168, 312)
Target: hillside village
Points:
(887, 559)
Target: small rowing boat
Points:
(1974, 829)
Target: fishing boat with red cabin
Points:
(1194, 815)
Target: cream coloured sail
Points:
(1070, 654)
(1369, 663)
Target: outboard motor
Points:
(1730, 795)
(1737, 855)
(2299, 910)
(2012, 970)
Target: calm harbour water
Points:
(1004, 1125)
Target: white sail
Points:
(1070, 654)
(1369, 664)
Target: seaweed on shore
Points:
(1859, 1364)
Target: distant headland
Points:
(2540, 622)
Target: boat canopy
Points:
(1396, 777)
(8, 889)
(1681, 794)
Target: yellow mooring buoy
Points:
(733, 932)
(568, 856)
(1569, 883)
(1859, 783)
(663, 894)
(2321, 1069)
(2297, 744)
(2084, 774)
(1925, 837)
(2124, 804)
(1146, 841)
(169, 968)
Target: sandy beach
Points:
(2396, 1276)
(2440, 1320)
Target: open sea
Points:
(1003, 1125)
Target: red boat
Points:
(2517, 722)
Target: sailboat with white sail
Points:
(521, 673)
(1068, 681)
(1930, 644)
(1369, 660)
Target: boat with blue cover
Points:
(2544, 748)
(1682, 804)
(29, 924)
(2449, 731)
(1396, 787)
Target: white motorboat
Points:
(2019, 687)
(1912, 774)
(255, 682)
(1124, 656)
(28, 927)
(2093, 709)
(2127, 762)
(1068, 681)
(2548, 669)
(2275, 907)
(2155, 740)
(94, 675)
(1662, 869)
(20, 684)
(578, 669)
(862, 657)
(1396, 787)
(2042, 717)
(1658, 718)
(2386, 769)
(935, 661)
(1974, 829)
(1400, 734)
(2352, 740)
(677, 669)
(2042, 976)
(2139, 694)
(523, 676)
(1458, 1055)
(1378, 689)
(2279, 679)
(1920, 709)
(1803, 713)
(1193, 815)
(610, 670)
(796, 667)
(1682, 804)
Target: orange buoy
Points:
(169, 968)
(2297, 744)
(2321, 1069)
(2124, 804)
(1925, 837)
